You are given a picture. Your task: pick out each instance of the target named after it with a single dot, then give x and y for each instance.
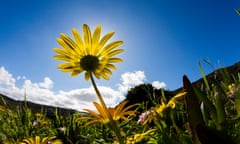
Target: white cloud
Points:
(158, 85)
(40, 92)
(131, 79)
(6, 78)
(47, 83)
(78, 99)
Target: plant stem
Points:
(113, 125)
(98, 94)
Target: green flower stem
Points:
(99, 95)
(113, 125)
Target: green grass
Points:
(212, 112)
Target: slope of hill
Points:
(142, 93)
(222, 74)
(49, 110)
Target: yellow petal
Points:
(115, 60)
(62, 57)
(62, 52)
(87, 38)
(107, 71)
(171, 104)
(76, 72)
(95, 40)
(111, 66)
(92, 112)
(115, 52)
(77, 37)
(119, 108)
(97, 75)
(67, 43)
(90, 122)
(37, 140)
(101, 110)
(65, 66)
(106, 77)
(87, 76)
(45, 140)
(112, 45)
(105, 39)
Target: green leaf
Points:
(194, 114)
(221, 115)
(202, 97)
(205, 113)
(208, 135)
(204, 76)
(237, 106)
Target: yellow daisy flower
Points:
(38, 115)
(137, 137)
(90, 54)
(38, 140)
(2, 108)
(120, 112)
(171, 103)
(158, 110)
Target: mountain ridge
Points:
(12, 104)
(50, 110)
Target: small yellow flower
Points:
(147, 116)
(160, 108)
(91, 54)
(37, 140)
(38, 115)
(137, 137)
(171, 103)
(120, 112)
(43, 123)
(2, 108)
(232, 90)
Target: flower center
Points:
(89, 63)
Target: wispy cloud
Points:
(159, 85)
(78, 99)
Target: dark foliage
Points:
(209, 135)
(147, 95)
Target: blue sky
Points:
(163, 40)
